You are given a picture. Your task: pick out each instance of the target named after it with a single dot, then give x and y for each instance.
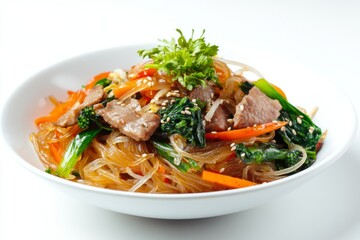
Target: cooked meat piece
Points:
(70, 117)
(204, 94)
(129, 121)
(95, 95)
(256, 108)
(219, 121)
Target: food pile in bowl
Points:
(181, 121)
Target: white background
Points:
(322, 35)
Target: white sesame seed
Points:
(298, 119)
(230, 120)
(242, 155)
(221, 170)
(176, 91)
(163, 108)
(144, 155)
(311, 130)
(162, 121)
(233, 148)
(229, 128)
(290, 123)
(214, 132)
(232, 144)
(168, 119)
(293, 131)
(282, 129)
(194, 100)
(149, 78)
(182, 112)
(162, 80)
(187, 112)
(241, 107)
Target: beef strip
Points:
(256, 108)
(129, 120)
(219, 121)
(70, 117)
(204, 94)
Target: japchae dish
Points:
(181, 121)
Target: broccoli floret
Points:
(183, 117)
(88, 118)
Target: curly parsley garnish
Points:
(187, 61)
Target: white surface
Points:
(323, 35)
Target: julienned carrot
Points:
(225, 180)
(56, 152)
(95, 79)
(121, 90)
(246, 133)
(144, 73)
(62, 108)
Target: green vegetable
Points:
(187, 61)
(301, 131)
(92, 125)
(166, 151)
(184, 118)
(103, 82)
(76, 147)
(89, 118)
(262, 152)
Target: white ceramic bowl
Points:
(302, 87)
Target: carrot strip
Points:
(62, 108)
(225, 180)
(245, 133)
(144, 73)
(55, 151)
(95, 79)
(121, 90)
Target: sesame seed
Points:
(149, 78)
(187, 108)
(293, 131)
(163, 108)
(229, 128)
(230, 120)
(221, 170)
(214, 132)
(282, 129)
(233, 148)
(187, 112)
(232, 144)
(298, 119)
(311, 130)
(241, 107)
(290, 123)
(242, 155)
(162, 121)
(144, 155)
(168, 119)
(152, 100)
(182, 112)
(162, 80)
(194, 100)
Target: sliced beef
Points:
(219, 121)
(204, 94)
(129, 120)
(70, 117)
(256, 108)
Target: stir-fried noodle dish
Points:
(181, 121)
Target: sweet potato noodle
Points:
(183, 121)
